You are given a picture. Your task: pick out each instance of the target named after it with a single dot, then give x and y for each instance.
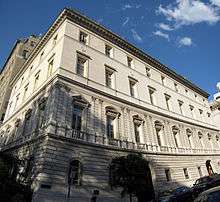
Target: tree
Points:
(132, 174)
(11, 189)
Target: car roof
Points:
(211, 190)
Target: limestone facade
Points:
(86, 95)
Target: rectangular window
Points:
(180, 106)
(77, 118)
(50, 68)
(83, 38)
(163, 80)
(152, 96)
(36, 81)
(55, 40)
(22, 80)
(148, 71)
(208, 114)
(200, 171)
(132, 84)
(192, 111)
(25, 54)
(201, 114)
(137, 131)
(82, 64)
(110, 126)
(16, 101)
(168, 175)
(41, 55)
(109, 51)
(130, 62)
(109, 77)
(25, 92)
(167, 99)
(186, 174)
(176, 87)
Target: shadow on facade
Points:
(68, 150)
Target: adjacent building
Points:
(13, 64)
(85, 96)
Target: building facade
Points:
(85, 96)
(215, 106)
(13, 64)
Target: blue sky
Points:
(182, 34)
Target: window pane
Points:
(110, 127)
(81, 66)
(77, 118)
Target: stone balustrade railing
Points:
(118, 143)
(124, 144)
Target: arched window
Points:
(200, 135)
(189, 137)
(111, 122)
(75, 173)
(176, 133)
(159, 132)
(138, 128)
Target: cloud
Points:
(125, 21)
(136, 36)
(165, 27)
(185, 41)
(215, 2)
(189, 12)
(126, 6)
(129, 6)
(161, 34)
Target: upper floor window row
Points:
(110, 81)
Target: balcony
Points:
(114, 143)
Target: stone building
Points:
(13, 64)
(215, 106)
(85, 96)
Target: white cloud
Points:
(125, 21)
(185, 41)
(161, 34)
(129, 6)
(215, 2)
(136, 36)
(165, 27)
(126, 6)
(189, 12)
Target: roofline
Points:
(100, 30)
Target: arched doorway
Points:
(133, 174)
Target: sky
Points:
(182, 34)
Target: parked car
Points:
(180, 194)
(210, 195)
(205, 183)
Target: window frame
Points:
(109, 51)
(85, 39)
(133, 87)
(85, 65)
